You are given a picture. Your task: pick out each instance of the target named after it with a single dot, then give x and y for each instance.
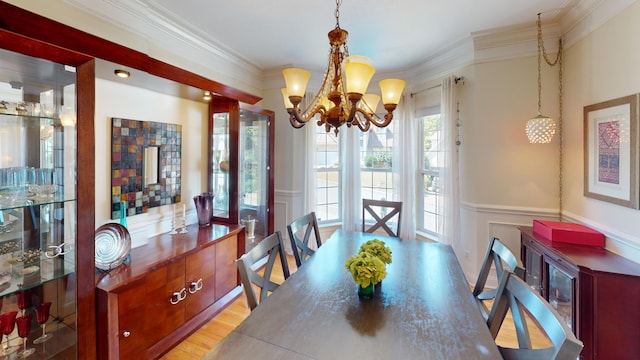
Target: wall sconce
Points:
(122, 73)
(206, 96)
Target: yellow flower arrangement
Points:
(366, 269)
(377, 248)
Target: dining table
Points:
(422, 309)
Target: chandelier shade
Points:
(391, 90)
(341, 99)
(358, 76)
(296, 80)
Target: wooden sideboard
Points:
(173, 285)
(596, 291)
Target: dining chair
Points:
(384, 214)
(309, 225)
(270, 248)
(501, 258)
(515, 295)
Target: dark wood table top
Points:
(423, 310)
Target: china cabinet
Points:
(38, 201)
(241, 167)
(594, 290)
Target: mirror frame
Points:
(129, 139)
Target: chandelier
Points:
(541, 128)
(341, 101)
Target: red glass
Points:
(42, 315)
(24, 327)
(8, 323)
(22, 299)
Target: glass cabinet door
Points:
(220, 166)
(254, 175)
(38, 206)
(533, 272)
(560, 293)
(241, 153)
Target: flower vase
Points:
(365, 292)
(203, 206)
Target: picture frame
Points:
(611, 151)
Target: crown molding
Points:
(160, 30)
(589, 15)
(166, 37)
(447, 61)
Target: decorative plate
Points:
(113, 244)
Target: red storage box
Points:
(568, 233)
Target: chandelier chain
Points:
(560, 126)
(557, 61)
(337, 13)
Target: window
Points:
(430, 161)
(376, 178)
(328, 176)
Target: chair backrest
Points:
(498, 255)
(515, 295)
(272, 247)
(383, 212)
(300, 246)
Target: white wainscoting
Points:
(481, 222)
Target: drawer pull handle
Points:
(178, 296)
(195, 286)
(126, 333)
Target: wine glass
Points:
(24, 326)
(8, 323)
(22, 299)
(42, 315)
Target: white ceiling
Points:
(396, 35)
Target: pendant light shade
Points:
(540, 129)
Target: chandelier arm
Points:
(295, 117)
(362, 125)
(371, 119)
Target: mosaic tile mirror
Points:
(145, 165)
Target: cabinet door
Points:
(226, 268)
(221, 184)
(149, 311)
(561, 292)
(200, 281)
(254, 175)
(533, 268)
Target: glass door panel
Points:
(254, 175)
(560, 293)
(533, 263)
(221, 152)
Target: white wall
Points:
(507, 182)
(602, 66)
(128, 102)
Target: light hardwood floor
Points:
(201, 341)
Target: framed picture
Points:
(611, 151)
